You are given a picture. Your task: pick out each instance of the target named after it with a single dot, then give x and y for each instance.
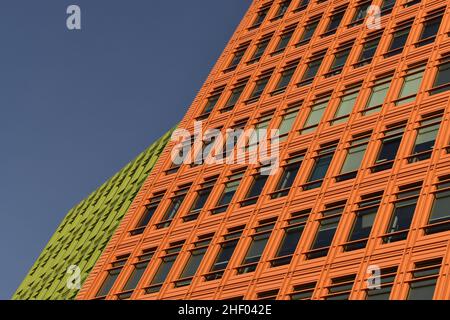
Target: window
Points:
(321, 164)
(287, 178)
(284, 39)
(165, 266)
(335, 21)
(302, 5)
(254, 192)
(369, 48)
(208, 141)
(227, 247)
(288, 119)
(340, 288)
(112, 275)
(410, 3)
(259, 240)
(175, 203)
(184, 150)
(260, 85)
(227, 195)
(439, 220)
(282, 9)
(389, 146)
(403, 212)
(347, 103)
(136, 275)
(195, 258)
(399, 37)
(387, 6)
(237, 57)
(355, 156)
(426, 137)
(233, 136)
(259, 133)
(378, 93)
(340, 58)
(424, 278)
(268, 295)
(286, 77)
(149, 212)
(312, 68)
(303, 291)
(442, 80)
(363, 221)
(212, 101)
(235, 95)
(260, 48)
(430, 27)
(261, 15)
(201, 198)
(309, 30)
(360, 13)
(317, 110)
(411, 84)
(386, 281)
(292, 234)
(328, 224)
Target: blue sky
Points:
(76, 106)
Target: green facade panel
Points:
(86, 230)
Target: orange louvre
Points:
(364, 178)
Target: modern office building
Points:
(85, 232)
(359, 208)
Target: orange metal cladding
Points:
(410, 178)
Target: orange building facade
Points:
(362, 195)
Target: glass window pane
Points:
(346, 105)
(389, 149)
(259, 88)
(411, 85)
(363, 225)
(422, 290)
(256, 248)
(163, 269)
(225, 253)
(288, 177)
(309, 31)
(402, 216)
(443, 76)
(369, 49)
(399, 39)
(378, 95)
(441, 207)
(173, 208)
(109, 282)
(290, 241)
(136, 276)
(312, 69)
(326, 232)
(147, 217)
(426, 139)
(285, 78)
(235, 95)
(320, 168)
(193, 263)
(379, 294)
(284, 41)
(316, 114)
(431, 28)
(354, 159)
(286, 123)
(258, 185)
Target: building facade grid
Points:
(382, 113)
